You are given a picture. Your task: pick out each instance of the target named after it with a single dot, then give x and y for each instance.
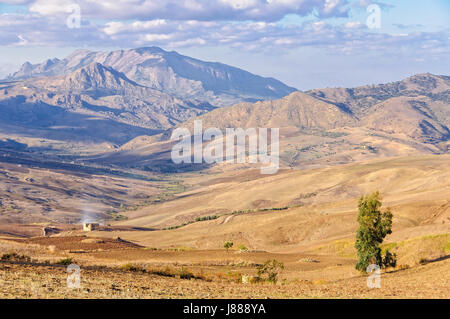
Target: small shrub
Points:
(185, 274)
(270, 270)
(243, 248)
(227, 245)
(15, 257)
(166, 272)
(8, 256)
(131, 267)
(65, 261)
(389, 260)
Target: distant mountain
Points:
(74, 106)
(298, 110)
(189, 79)
(357, 100)
(126, 92)
(417, 107)
(336, 125)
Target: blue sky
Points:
(305, 43)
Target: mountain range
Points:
(178, 75)
(333, 125)
(417, 108)
(111, 97)
(130, 100)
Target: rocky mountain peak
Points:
(178, 75)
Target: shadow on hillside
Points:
(56, 123)
(435, 259)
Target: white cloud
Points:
(205, 10)
(51, 7)
(32, 29)
(354, 25)
(114, 27)
(240, 4)
(16, 2)
(151, 37)
(203, 23)
(332, 6)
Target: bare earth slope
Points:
(317, 205)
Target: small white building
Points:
(90, 226)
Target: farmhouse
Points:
(90, 226)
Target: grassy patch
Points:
(420, 249)
(341, 248)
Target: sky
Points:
(304, 43)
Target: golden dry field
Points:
(172, 247)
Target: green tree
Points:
(227, 245)
(374, 225)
